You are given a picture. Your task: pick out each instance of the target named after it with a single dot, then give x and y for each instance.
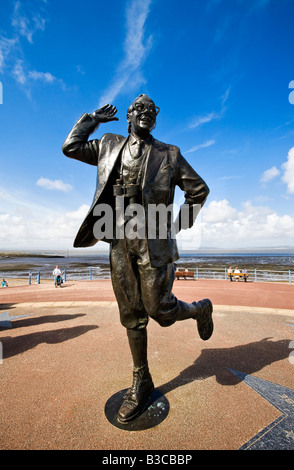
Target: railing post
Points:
(197, 272)
(30, 278)
(255, 275)
(225, 273)
(289, 276)
(39, 277)
(90, 269)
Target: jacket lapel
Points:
(154, 160)
(106, 164)
(108, 161)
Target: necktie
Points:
(138, 151)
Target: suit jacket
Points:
(165, 168)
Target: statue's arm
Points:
(195, 189)
(77, 145)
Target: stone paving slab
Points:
(62, 363)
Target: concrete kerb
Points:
(76, 303)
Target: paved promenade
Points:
(66, 362)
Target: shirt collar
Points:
(135, 140)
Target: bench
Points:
(243, 276)
(184, 274)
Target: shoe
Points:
(204, 318)
(137, 396)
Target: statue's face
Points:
(143, 115)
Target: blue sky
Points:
(221, 73)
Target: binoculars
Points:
(129, 190)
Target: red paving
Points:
(62, 363)
(252, 294)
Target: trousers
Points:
(141, 290)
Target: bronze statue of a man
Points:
(142, 169)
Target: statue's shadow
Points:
(247, 358)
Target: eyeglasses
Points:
(141, 107)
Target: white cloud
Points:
(19, 73)
(225, 97)
(205, 119)
(45, 77)
(136, 48)
(54, 184)
(27, 224)
(27, 24)
(270, 174)
(213, 115)
(27, 19)
(224, 226)
(6, 46)
(80, 69)
(200, 146)
(23, 76)
(44, 229)
(218, 211)
(288, 168)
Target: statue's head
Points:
(141, 115)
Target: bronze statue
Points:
(139, 169)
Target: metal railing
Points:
(94, 273)
(256, 275)
(30, 278)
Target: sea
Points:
(96, 265)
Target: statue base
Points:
(156, 410)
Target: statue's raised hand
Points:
(105, 114)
